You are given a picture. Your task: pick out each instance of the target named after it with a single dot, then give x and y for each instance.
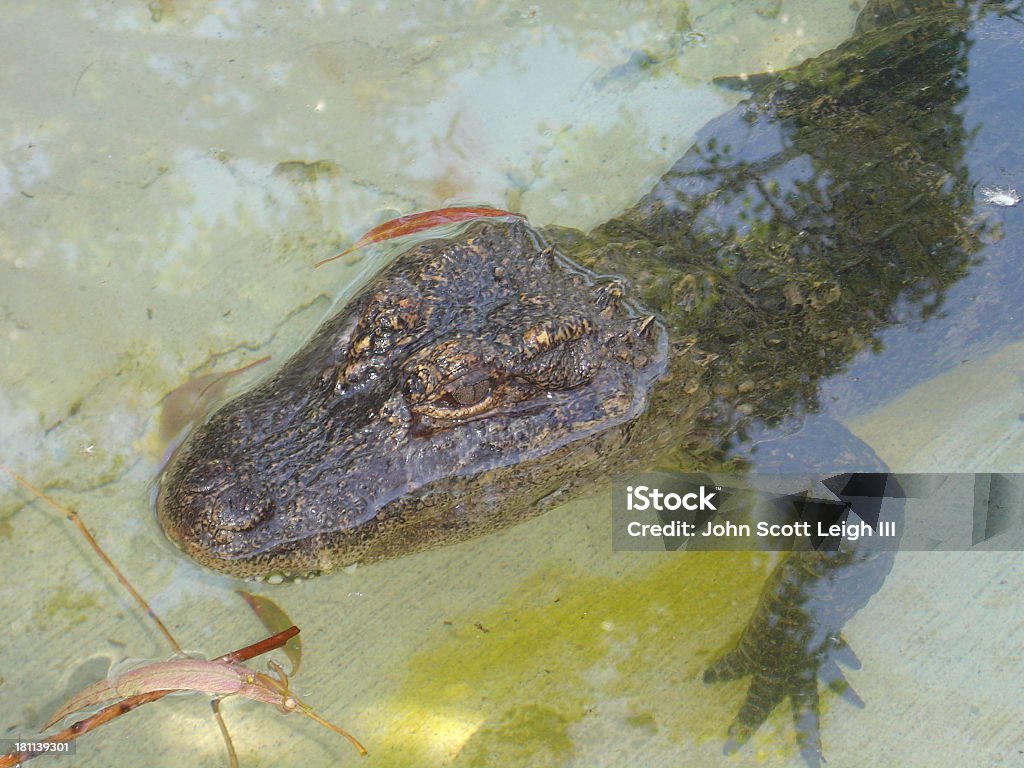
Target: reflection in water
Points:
(837, 203)
(803, 224)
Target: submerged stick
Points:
(126, 705)
(71, 515)
(225, 734)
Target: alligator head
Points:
(472, 379)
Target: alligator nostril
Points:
(240, 508)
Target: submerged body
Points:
(485, 377)
(507, 361)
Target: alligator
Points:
(495, 372)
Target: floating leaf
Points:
(186, 404)
(418, 222)
(87, 697)
(275, 620)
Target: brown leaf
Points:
(275, 620)
(418, 222)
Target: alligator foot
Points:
(786, 648)
(770, 685)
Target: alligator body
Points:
(504, 362)
(487, 376)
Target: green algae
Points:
(519, 684)
(301, 171)
(528, 735)
(67, 606)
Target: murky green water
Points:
(170, 173)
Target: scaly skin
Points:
(482, 378)
(390, 431)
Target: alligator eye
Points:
(468, 396)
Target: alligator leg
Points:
(793, 639)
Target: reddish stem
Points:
(126, 705)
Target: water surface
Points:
(170, 173)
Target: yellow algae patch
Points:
(68, 605)
(575, 657)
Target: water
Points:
(170, 174)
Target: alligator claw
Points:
(785, 650)
(833, 676)
(768, 687)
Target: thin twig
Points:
(232, 755)
(71, 515)
(125, 705)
